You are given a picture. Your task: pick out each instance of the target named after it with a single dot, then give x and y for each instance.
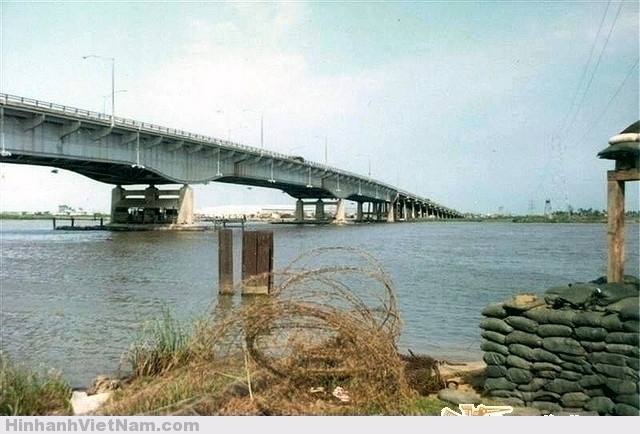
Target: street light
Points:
(113, 86)
(261, 128)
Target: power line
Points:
(593, 73)
(593, 124)
(584, 72)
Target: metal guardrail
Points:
(60, 109)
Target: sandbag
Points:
(492, 384)
(601, 404)
(587, 319)
(591, 381)
(522, 351)
(627, 350)
(493, 336)
(519, 376)
(542, 355)
(618, 386)
(494, 347)
(495, 325)
(563, 345)
(622, 338)
(590, 334)
(621, 372)
(494, 310)
(521, 323)
(611, 292)
(528, 339)
(493, 358)
(518, 362)
(545, 315)
(494, 371)
(627, 308)
(608, 358)
(561, 386)
(625, 410)
(612, 323)
(577, 295)
(551, 330)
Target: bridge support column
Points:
(185, 205)
(359, 212)
(299, 210)
(378, 208)
(391, 211)
(117, 194)
(151, 195)
(319, 210)
(341, 214)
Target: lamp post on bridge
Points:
(113, 85)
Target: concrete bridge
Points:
(124, 152)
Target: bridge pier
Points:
(299, 210)
(341, 214)
(359, 212)
(147, 207)
(319, 210)
(391, 212)
(185, 205)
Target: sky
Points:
(484, 107)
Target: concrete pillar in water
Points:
(341, 214)
(391, 211)
(359, 212)
(117, 195)
(299, 210)
(319, 210)
(405, 211)
(151, 195)
(185, 206)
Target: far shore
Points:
(559, 217)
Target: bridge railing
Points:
(20, 101)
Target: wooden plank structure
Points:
(624, 148)
(225, 261)
(257, 261)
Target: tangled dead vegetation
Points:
(325, 327)
(323, 342)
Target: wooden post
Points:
(225, 261)
(257, 261)
(264, 260)
(615, 228)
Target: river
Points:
(75, 301)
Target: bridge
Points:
(125, 152)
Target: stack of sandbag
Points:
(573, 350)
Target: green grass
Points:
(162, 346)
(26, 392)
